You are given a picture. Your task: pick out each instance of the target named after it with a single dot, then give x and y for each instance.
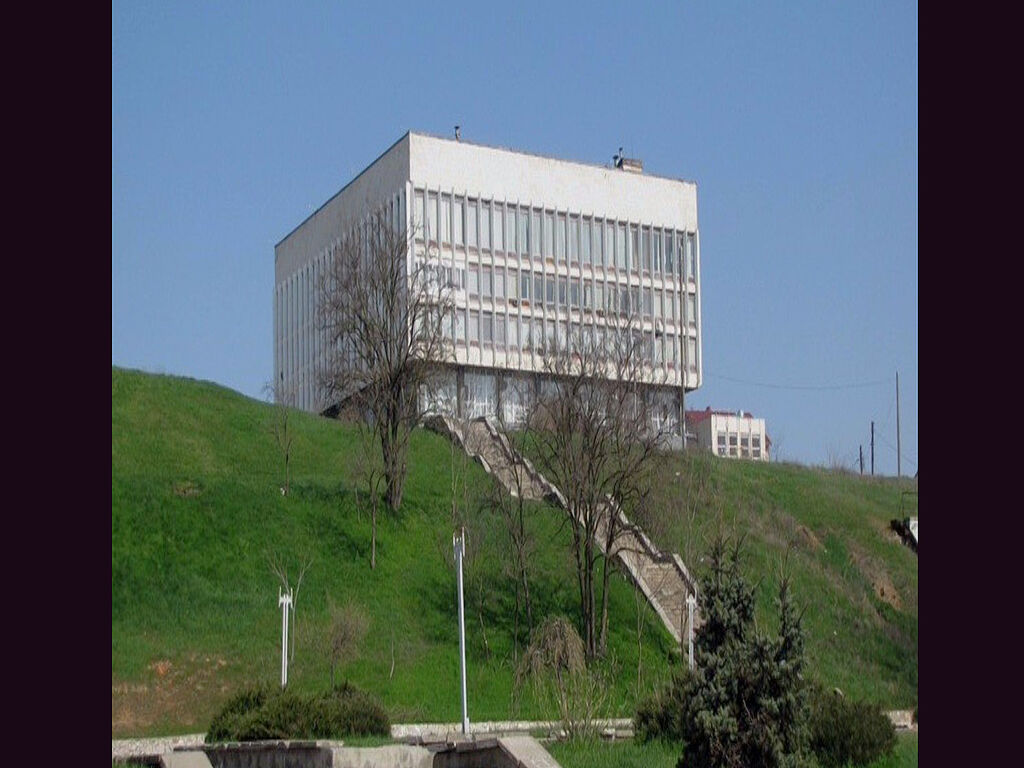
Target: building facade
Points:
(536, 249)
(731, 434)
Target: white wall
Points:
(531, 179)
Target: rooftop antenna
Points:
(458, 133)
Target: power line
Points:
(769, 385)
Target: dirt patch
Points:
(877, 574)
(185, 692)
(807, 536)
(187, 489)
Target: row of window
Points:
(536, 288)
(479, 224)
(749, 445)
(494, 329)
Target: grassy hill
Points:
(196, 509)
(829, 530)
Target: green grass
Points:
(658, 754)
(617, 754)
(196, 507)
(830, 531)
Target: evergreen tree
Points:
(744, 704)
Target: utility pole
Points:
(872, 449)
(860, 450)
(459, 542)
(898, 467)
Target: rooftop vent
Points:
(631, 164)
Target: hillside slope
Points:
(196, 509)
(829, 530)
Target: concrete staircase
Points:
(661, 576)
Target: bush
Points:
(260, 712)
(661, 715)
(848, 732)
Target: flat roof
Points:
(475, 144)
(514, 151)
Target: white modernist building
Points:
(536, 247)
(733, 434)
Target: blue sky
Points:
(232, 122)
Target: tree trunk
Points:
(604, 604)
(286, 475)
(373, 534)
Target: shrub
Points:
(848, 732)
(744, 703)
(259, 713)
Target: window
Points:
(513, 333)
(487, 327)
(499, 283)
(420, 215)
(446, 219)
(656, 241)
(588, 295)
(474, 326)
(499, 330)
(485, 225)
(691, 354)
(691, 308)
(473, 272)
(574, 293)
(524, 231)
(549, 234)
(535, 233)
(574, 240)
(524, 286)
(648, 302)
(460, 327)
(670, 253)
(486, 283)
(430, 226)
(633, 254)
(691, 256)
(585, 241)
(560, 241)
(721, 444)
(645, 244)
(510, 230)
(460, 238)
(498, 230)
(549, 290)
(658, 310)
(732, 444)
(745, 447)
(538, 288)
(620, 246)
(599, 297)
(561, 292)
(471, 211)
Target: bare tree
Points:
(387, 316)
(508, 500)
(369, 472)
(283, 398)
(595, 440)
(348, 627)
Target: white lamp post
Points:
(285, 602)
(459, 542)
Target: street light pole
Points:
(284, 600)
(459, 543)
